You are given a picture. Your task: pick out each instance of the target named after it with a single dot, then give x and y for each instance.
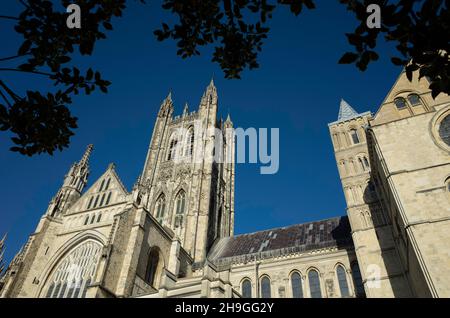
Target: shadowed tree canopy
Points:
(41, 122)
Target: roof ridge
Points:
(292, 225)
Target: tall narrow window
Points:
(172, 149)
(90, 202)
(108, 198)
(357, 281)
(190, 143)
(366, 163)
(296, 283)
(247, 288)
(314, 284)
(361, 164)
(102, 199)
(96, 201)
(179, 208)
(160, 208)
(107, 183)
(152, 266)
(101, 185)
(400, 103)
(342, 280)
(265, 288)
(354, 135)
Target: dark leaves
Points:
(41, 122)
(420, 31)
(237, 40)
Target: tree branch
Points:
(8, 17)
(10, 92)
(13, 57)
(17, 70)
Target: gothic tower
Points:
(381, 270)
(182, 184)
(74, 182)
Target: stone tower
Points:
(382, 273)
(180, 171)
(74, 182)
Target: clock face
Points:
(444, 130)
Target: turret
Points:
(74, 183)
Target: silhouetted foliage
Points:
(41, 122)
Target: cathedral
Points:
(171, 235)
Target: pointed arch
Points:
(180, 208)
(296, 284)
(246, 288)
(160, 208)
(73, 267)
(265, 287)
(341, 274)
(314, 283)
(189, 145)
(155, 265)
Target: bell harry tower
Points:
(180, 185)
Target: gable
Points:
(404, 89)
(105, 191)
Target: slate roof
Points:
(346, 111)
(334, 232)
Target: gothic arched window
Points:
(75, 272)
(342, 280)
(172, 149)
(314, 284)
(357, 281)
(160, 208)
(152, 266)
(180, 203)
(296, 284)
(190, 143)
(400, 103)
(246, 288)
(265, 287)
(354, 136)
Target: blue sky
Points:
(297, 89)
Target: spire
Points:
(209, 95)
(186, 109)
(346, 111)
(166, 105)
(85, 159)
(211, 83)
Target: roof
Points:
(334, 232)
(346, 111)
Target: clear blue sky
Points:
(297, 89)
